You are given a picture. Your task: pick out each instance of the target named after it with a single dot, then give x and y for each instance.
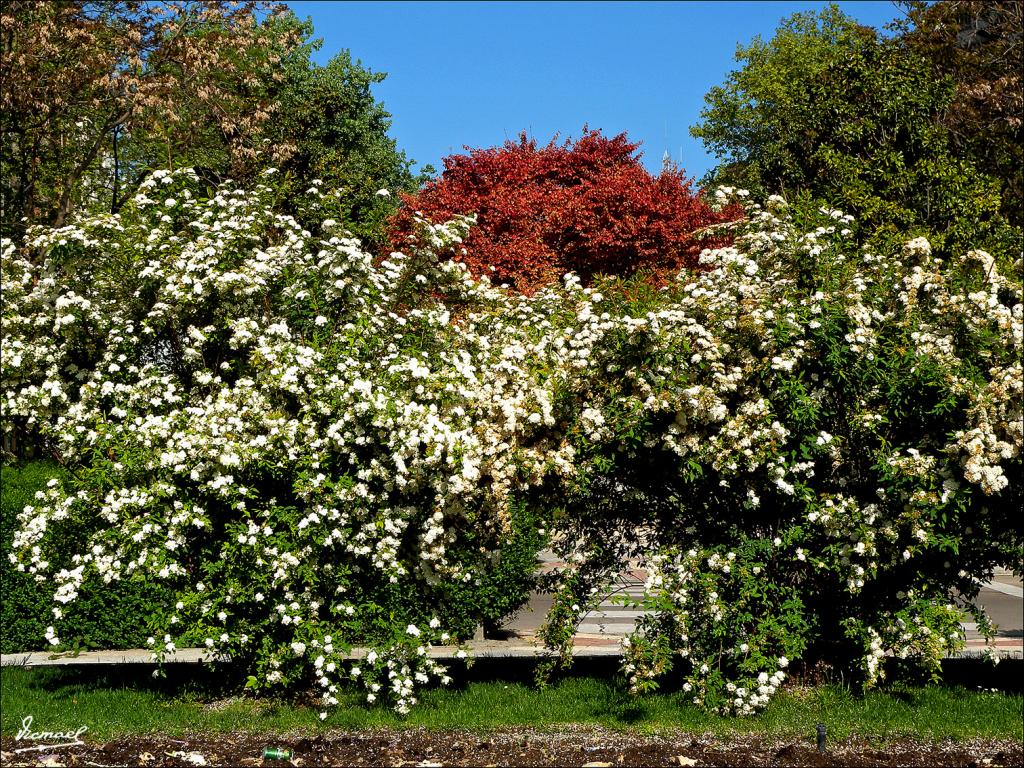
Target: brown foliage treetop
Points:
(587, 207)
(79, 75)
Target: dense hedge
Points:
(104, 618)
(812, 444)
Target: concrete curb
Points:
(496, 649)
(585, 646)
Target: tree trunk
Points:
(117, 170)
(71, 182)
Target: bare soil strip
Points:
(588, 746)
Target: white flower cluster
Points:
(684, 592)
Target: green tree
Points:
(830, 109)
(336, 131)
(980, 45)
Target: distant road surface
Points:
(1002, 598)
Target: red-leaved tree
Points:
(588, 208)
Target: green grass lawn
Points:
(129, 702)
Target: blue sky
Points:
(467, 73)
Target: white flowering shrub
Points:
(299, 442)
(814, 449)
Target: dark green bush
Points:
(25, 604)
(101, 618)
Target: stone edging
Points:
(585, 646)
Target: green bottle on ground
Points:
(277, 753)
